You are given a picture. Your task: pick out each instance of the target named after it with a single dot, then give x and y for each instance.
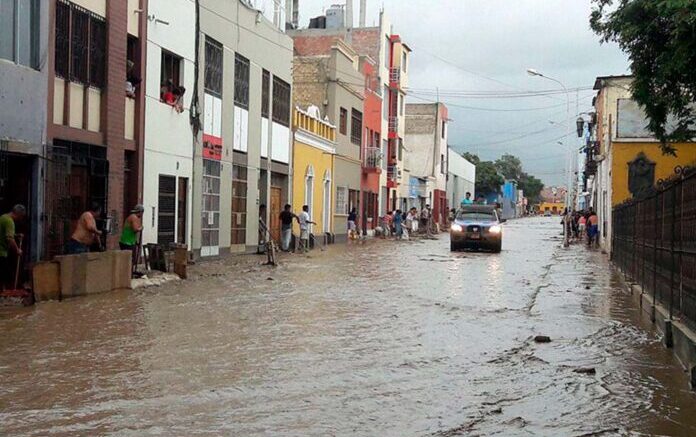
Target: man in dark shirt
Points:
(286, 218)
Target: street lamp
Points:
(534, 73)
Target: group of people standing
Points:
(402, 224)
(582, 225)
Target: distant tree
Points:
(531, 186)
(509, 166)
(659, 37)
(474, 159)
(487, 178)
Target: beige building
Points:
(332, 82)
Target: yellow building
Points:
(555, 208)
(313, 165)
(625, 153)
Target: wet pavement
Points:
(382, 339)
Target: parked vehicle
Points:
(477, 227)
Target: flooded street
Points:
(382, 339)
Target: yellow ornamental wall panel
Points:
(625, 152)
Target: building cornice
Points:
(312, 140)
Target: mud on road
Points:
(382, 339)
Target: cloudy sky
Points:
(485, 46)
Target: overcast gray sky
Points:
(464, 46)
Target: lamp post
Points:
(569, 158)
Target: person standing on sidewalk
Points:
(352, 224)
(86, 234)
(592, 229)
(286, 218)
(8, 244)
(132, 228)
(305, 220)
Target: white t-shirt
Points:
(304, 218)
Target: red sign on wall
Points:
(212, 147)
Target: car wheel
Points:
(454, 247)
(498, 247)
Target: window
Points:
(387, 50)
(401, 149)
(210, 213)
(265, 93)
(356, 128)
(341, 200)
(19, 31)
(385, 103)
(281, 102)
(80, 45)
(385, 154)
(442, 164)
(239, 205)
(213, 67)
(444, 129)
(402, 105)
(343, 123)
(404, 61)
(241, 81)
(171, 69)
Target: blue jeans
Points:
(74, 247)
(285, 239)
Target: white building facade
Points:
(168, 154)
(461, 178)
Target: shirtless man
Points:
(86, 234)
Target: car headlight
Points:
(456, 228)
(495, 229)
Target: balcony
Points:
(394, 76)
(393, 124)
(372, 161)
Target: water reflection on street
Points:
(382, 339)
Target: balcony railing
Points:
(373, 158)
(392, 173)
(395, 75)
(393, 124)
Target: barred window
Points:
(281, 102)
(343, 121)
(356, 130)
(265, 93)
(97, 52)
(341, 200)
(213, 67)
(171, 69)
(241, 81)
(80, 48)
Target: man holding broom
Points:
(8, 244)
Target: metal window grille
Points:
(62, 64)
(79, 45)
(341, 200)
(343, 121)
(281, 102)
(265, 93)
(239, 205)
(171, 65)
(210, 213)
(166, 212)
(213, 67)
(97, 52)
(241, 81)
(356, 130)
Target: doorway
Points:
(276, 208)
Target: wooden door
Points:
(276, 208)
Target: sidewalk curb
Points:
(677, 336)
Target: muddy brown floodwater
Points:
(385, 339)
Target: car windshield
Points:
(476, 215)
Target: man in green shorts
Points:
(131, 228)
(8, 244)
